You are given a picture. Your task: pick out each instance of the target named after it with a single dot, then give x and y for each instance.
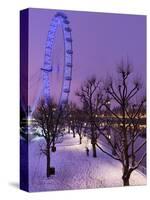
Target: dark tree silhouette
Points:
(47, 116)
(127, 118)
(91, 99)
(75, 120)
(71, 117)
(80, 120)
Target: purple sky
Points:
(100, 41)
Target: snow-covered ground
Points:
(74, 170)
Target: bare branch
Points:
(138, 163)
(115, 158)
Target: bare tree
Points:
(80, 120)
(47, 116)
(75, 120)
(91, 97)
(126, 121)
(71, 116)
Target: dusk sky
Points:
(100, 41)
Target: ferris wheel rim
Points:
(58, 19)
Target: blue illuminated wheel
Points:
(60, 19)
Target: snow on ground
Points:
(74, 170)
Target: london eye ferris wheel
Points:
(60, 20)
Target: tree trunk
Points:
(94, 150)
(48, 160)
(126, 177)
(73, 133)
(80, 137)
(126, 181)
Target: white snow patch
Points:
(74, 170)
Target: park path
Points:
(74, 169)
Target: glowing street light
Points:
(109, 136)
